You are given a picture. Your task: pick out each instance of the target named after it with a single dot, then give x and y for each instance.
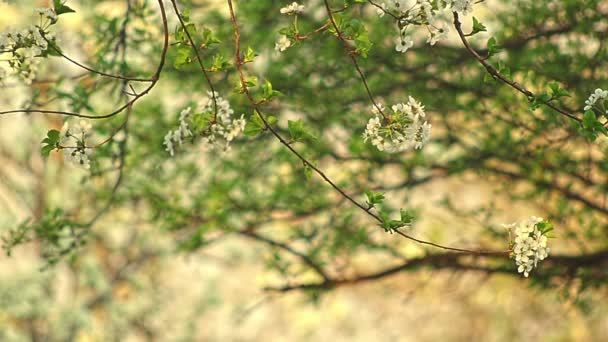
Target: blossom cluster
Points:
(24, 46)
(529, 244)
(599, 95)
(214, 123)
(403, 129)
(464, 7)
(293, 8)
(73, 142)
(408, 13)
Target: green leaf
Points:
(186, 15)
(298, 131)
(183, 56)
(60, 8)
(557, 91)
(251, 81)
(504, 70)
(267, 91)
(477, 26)
(249, 55)
(181, 36)
(219, 63)
(272, 120)
(255, 125)
(492, 47)
(374, 198)
(209, 38)
(591, 127)
(50, 143)
(407, 217)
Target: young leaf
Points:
(60, 8)
(477, 26)
(298, 131)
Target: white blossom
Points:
(464, 7)
(282, 43)
(404, 43)
(598, 94)
(73, 142)
(436, 35)
(529, 244)
(218, 130)
(293, 8)
(24, 47)
(403, 129)
(47, 13)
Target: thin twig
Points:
(502, 78)
(198, 57)
(367, 210)
(153, 83)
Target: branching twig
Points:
(258, 112)
(154, 81)
(497, 75)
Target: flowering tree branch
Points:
(153, 81)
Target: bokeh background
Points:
(136, 279)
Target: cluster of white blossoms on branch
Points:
(530, 243)
(21, 48)
(464, 7)
(403, 129)
(293, 8)
(412, 13)
(596, 100)
(73, 142)
(284, 42)
(216, 128)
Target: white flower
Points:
(404, 43)
(73, 142)
(529, 244)
(47, 13)
(218, 130)
(282, 44)
(599, 94)
(423, 135)
(436, 35)
(168, 142)
(464, 7)
(294, 8)
(403, 129)
(24, 47)
(427, 8)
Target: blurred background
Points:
(147, 247)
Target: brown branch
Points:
(306, 259)
(492, 71)
(258, 112)
(551, 267)
(120, 77)
(154, 81)
(198, 57)
(352, 58)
